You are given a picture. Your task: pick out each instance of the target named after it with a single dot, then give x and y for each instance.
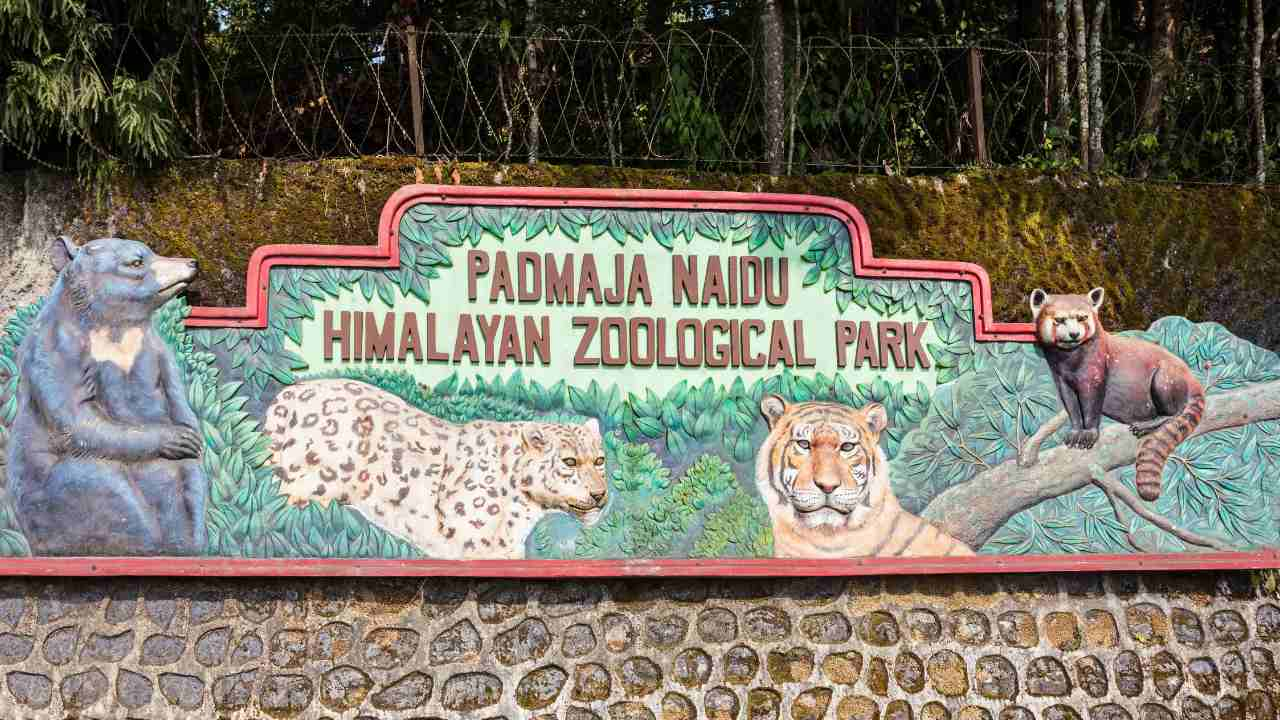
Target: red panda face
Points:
(1065, 321)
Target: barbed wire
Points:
(581, 94)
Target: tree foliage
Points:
(90, 81)
(842, 83)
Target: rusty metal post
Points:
(975, 107)
(415, 90)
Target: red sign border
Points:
(385, 254)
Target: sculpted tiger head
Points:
(562, 468)
(821, 469)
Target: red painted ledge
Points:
(561, 569)
(386, 254)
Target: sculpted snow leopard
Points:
(454, 491)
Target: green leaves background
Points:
(709, 421)
(682, 467)
(681, 462)
(12, 541)
(703, 513)
(1220, 484)
(14, 331)
(247, 515)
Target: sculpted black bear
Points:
(103, 456)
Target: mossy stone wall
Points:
(1205, 252)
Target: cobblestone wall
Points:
(1155, 647)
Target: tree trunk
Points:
(1096, 112)
(1271, 44)
(197, 55)
(1045, 31)
(415, 90)
(1257, 118)
(1243, 9)
(977, 117)
(501, 73)
(1082, 78)
(533, 54)
(774, 85)
(1061, 78)
(1164, 33)
(795, 89)
(974, 511)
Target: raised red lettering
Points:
(477, 265)
(580, 356)
(340, 334)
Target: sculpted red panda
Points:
(1129, 380)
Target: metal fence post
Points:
(415, 91)
(975, 107)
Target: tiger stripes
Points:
(825, 479)
(909, 535)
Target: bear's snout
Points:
(173, 272)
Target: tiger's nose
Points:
(827, 485)
(598, 496)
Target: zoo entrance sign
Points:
(535, 382)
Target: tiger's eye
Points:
(847, 447)
(599, 462)
(804, 444)
(571, 462)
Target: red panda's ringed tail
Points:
(1159, 445)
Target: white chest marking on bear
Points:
(120, 353)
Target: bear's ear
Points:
(61, 252)
(877, 417)
(1038, 298)
(1096, 296)
(772, 407)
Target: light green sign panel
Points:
(553, 305)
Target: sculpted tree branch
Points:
(972, 512)
(1118, 493)
(1029, 454)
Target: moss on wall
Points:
(1206, 252)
